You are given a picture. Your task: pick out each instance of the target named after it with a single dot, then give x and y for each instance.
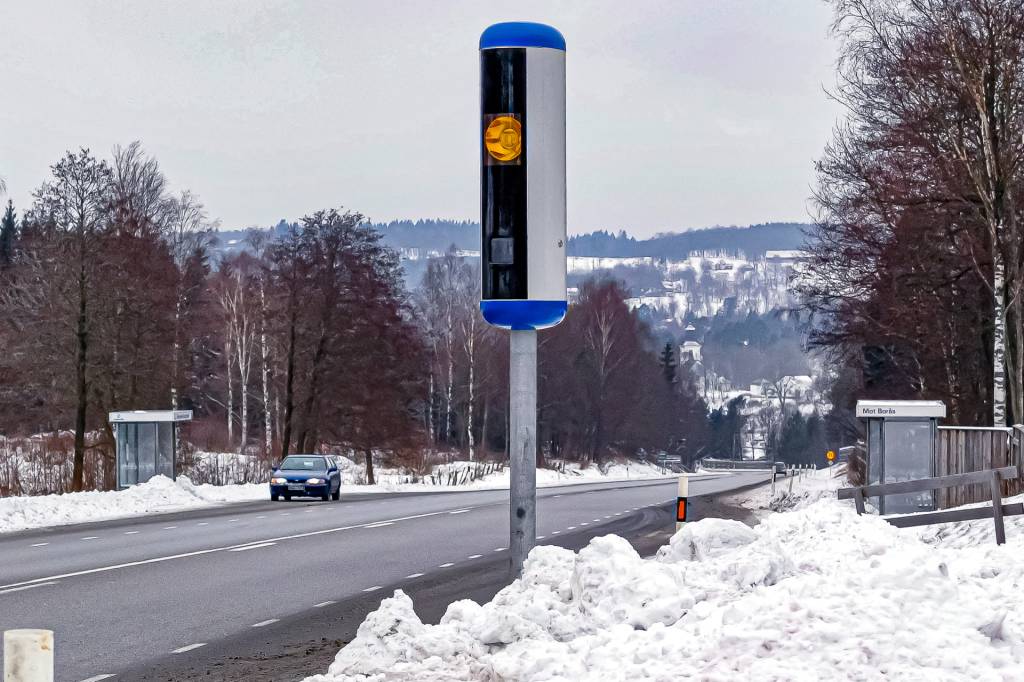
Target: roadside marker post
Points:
(523, 236)
(681, 503)
(28, 656)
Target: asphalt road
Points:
(269, 591)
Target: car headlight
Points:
(314, 481)
(277, 480)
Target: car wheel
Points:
(336, 495)
(274, 498)
(326, 496)
(287, 497)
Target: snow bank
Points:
(816, 593)
(160, 494)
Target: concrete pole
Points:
(28, 656)
(523, 448)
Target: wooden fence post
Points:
(997, 509)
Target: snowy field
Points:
(161, 495)
(814, 593)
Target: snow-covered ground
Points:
(161, 495)
(815, 593)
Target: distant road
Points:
(240, 592)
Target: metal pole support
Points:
(28, 656)
(523, 448)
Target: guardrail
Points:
(992, 477)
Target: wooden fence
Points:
(963, 449)
(991, 479)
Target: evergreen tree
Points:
(668, 363)
(8, 232)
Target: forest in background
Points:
(113, 296)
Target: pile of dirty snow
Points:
(159, 494)
(812, 594)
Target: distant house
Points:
(691, 345)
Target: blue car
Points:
(306, 476)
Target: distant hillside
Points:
(437, 235)
(751, 241)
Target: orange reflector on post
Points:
(680, 509)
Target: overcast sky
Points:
(681, 113)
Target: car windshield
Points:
(303, 464)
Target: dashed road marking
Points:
(474, 556)
(555, 532)
(203, 523)
(261, 517)
(232, 520)
(91, 537)
(540, 537)
(248, 547)
(27, 587)
(169, 527)
(373, 589)
(213, 550)
(264, 623)
(130, 532)
(501, 549)
(97, 678)
(448, 565)
(190, 647)
(41, 544)
(323, 604)
(414, 575)
(584, 524)
(571, 528)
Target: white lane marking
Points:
(263, 623)
(261, 517)
(557, 495)
(204, 523)
(323, 604)
(232, 520)
(474, 556)
(41, 544)
(131, 532)
(190, 647)
(26, 587)
(459, 511)
(97, 678)
(571, 528)
(212, 550)
(584, 524)
(540, 537)
(381, 525)
(653, 533)
(597, 521)
(248, 547)
(91, 537)
(617, 514)
(501, 549)
(448, 565)
(555, 532)
(414, 575)
(286, 513)
(608, 517)
(169, 527)
(373, 589)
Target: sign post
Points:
(522, 220)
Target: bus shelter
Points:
(146, 443)
(901, 438)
